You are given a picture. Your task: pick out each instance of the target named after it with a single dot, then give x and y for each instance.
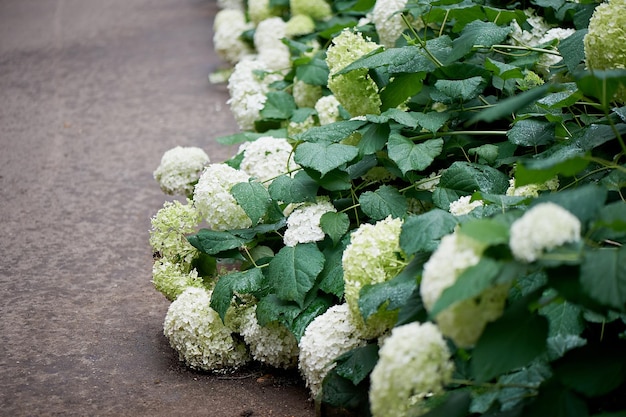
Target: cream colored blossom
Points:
(328, 336)
(327, 109)
(316, 9)
(306, 95)
(414, 363)
(171, 279)
(303, 224)
(299, 24)
(543, 227)
(531, 190)
(464, 206)
(388, 21)
(228, 26)
(170, 226)
(465, 320)
(373, 256)
(266, 158)
(180, 169)
(268, 43)
(213, 198)
(197, 333)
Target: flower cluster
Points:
(414, 363)
(169, 227)
(464, 321)
(373, 256)
(266, 158)
(543, 227)
(228, 26)
(180, 169)
(197, 333)
(328, 336)
(171, 279)
(303, 224)
(215, 202)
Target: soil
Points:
(92, 94)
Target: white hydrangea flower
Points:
(213, 198)
(248, 91)
(414, 363)
(327, 337)
(295, 128)
(171, 279)
(306, 95)
(266, 158)
(170, 225)
(259, 10)
(316, 9)
(197, 333)
(388, 21)
(273, 344)
(180, 169)
(531, 190)
(299, 24)
(303, 224)
(430, 183)
(373, 256)
(270, 48)
(463, 321)
(327, 109)
(228, 26)
(543, 227)
(464, 206)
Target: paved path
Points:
(92, 93)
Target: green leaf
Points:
(593, 370)
(253, 197)
(463, 90)
(213, 242)
(423, 232)
(411, 156)
(400, 116)
(564, 317)
(271, 308)
(455, 404)
(400, 88)
(601, 84)
(603, 276)
(292, 272)
(333, 132)
(531, 132)
(299, 189)
(396, 291)
(584, 202)
(385, 201)
(341, 393)
(245, 282)
(432, 121)
(356, 364)
(556, 401)
(503, 70)
(407, 59)
(335, 225)
(558, 160)
(331, 277)
(504, 108)
(480, 33)
(512, 341)
(471, 283)
(279, 106)
(374, 138)
(324, 157)
(572, 49)
(488, 231)
(335, 180)
(317, 306)
(315, 72)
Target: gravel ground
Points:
(91, 94)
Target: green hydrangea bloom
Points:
(605, 46)
(171, 279)
(299, 25)
(306, 95)
(316, 9)
(170, 226)
(355, 90)
(373, 256)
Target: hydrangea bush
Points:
(426, 214)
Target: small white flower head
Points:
(429, 183)
(300, 24)
(180, 169)
(604, 42)
(228, 26)
(388, 21)
(197, 333)
(171, 279)
(465, 320)
(273, 344)
(266, 158)
(270, 48)
(316, 9)
(355, 90)
(296, 128)
(259, 10)
(170, 225)
(248, 86)
(306, 95)
(414, 363)
(303, 224)
(464, 206)
(327, 109)
(213, 198)
(542, 228)
(531, 190)
(373, 256)
(327, 337)
(230, 4)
